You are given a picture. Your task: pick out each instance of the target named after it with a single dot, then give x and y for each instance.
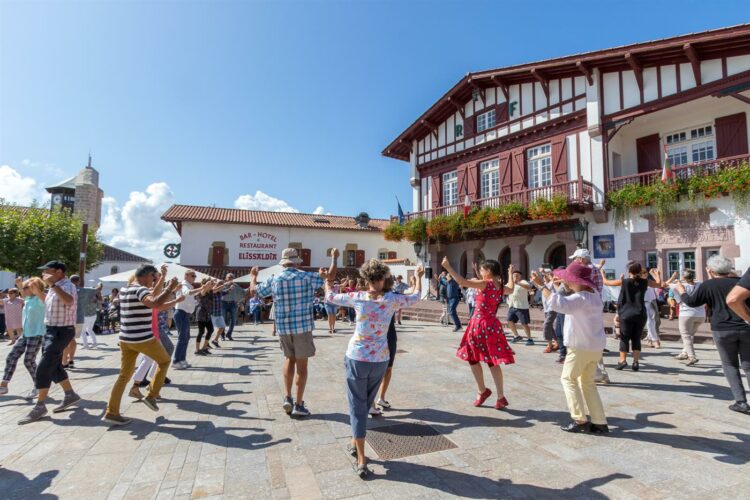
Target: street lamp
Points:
(418, 248)
(581, 232)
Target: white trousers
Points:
(88, 330)
(653, 335)
(145, 365)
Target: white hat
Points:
(582, 253)
(289, 256)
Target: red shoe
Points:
(483, 397)
(501, 403)
(548, 350)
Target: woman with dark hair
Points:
(631, 310)
(484, 339)
(367, 357)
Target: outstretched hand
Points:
(254, 271)
(420, 271)
(445, 263)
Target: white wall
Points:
(197, 238)
(104, 268)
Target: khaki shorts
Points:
(300, 345)
(79, 329)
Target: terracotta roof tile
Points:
(191, 213)
(117, 255)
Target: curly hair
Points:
(374, 270)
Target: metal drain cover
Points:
(406, 440)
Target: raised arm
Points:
(737, 302)
(656, 275)
(153, 301)
(608, 282)
(511, 284)
(473, 283)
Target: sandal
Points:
(482, 397)
(351, 450)
(501, 403)
(362, 471)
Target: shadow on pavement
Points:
(16, 485)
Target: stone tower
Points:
(88, 196)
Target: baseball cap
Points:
(53, 264)
(582, 253)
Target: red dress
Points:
(484, 339)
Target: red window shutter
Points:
(305, 255)
(731, 135)
(501, 113)
(469, 125)
(518, 175)
(462, 178)
(559, 160)
(472, 180)
(392, 255)
(437, 191)
(506, 168)
(360, 258)
(648, 153)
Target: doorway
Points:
(557, 256)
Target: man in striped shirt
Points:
(137, 337)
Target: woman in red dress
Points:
(484, 339)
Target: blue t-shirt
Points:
(33, 317)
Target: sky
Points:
(268, 105)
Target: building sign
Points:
(604, 246)
(259, 248)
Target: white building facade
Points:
(585, 127)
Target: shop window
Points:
(486, 120)
(490, 178)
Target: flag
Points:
(467, 205)
(400, 212)
(666, 172)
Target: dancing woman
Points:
(484, 339)
(367, 356)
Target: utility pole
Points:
(84, 246)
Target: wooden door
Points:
(731, 135)
(648, 153)
(305, 254)
(360, 258)
(217, 256)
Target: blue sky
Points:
(215, 100)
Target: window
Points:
(351, 258)
(540, 166)
(114, 270)
(652, 260)
(450, 188)
(679, 261)
(486, 120)
(382, 254)
(691, 146)
(490, 180)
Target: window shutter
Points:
(472, 180)
(360, 258)
(506, 168)
(462, 178)
(731, 135)
(392, 255)
(305, 255)
(648, 153)
(501, 113)
(469, 125)
(518, 176)
(437, 191)
(559, 160)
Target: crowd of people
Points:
(50, 312)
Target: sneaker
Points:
(3, 390)
(576, 427)
(32, 394)
(604, 380)
(288, 405)
(300, 410)
(177, 365)
(599, 429)
(223, 337)
(635, 367)
(116, 419)
(229, 337)
(740, 407)
(351, 450)
(362, 471)
(682, 356)
(37, 413)
(516, 339)
(135, 393)
(71, 364)
(692, 361)
(215, 344)
(621, 365)
(68, 401)
(529, 341)
(144, 383)
(383, 403)
(167, 380)
(199, 353)
(185, 364)
(375, 412)
(150, 403)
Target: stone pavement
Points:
(221, 431)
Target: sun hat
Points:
(575, 273)
(289, 256)
(582, 253)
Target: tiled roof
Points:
(117, 255)
(191, 213)
(221, 272)
(66, 184)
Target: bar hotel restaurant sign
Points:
(260, 248)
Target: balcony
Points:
(681, 173)
(579, 193)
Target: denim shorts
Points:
(519, 316)
(218, 321)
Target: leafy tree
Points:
(31, 236)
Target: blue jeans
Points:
(230, 315)
(452, 306)
(471, 310)
(182, 322)
(559, 322)
(362, 382)
(255, 314)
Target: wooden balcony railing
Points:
(682, 172)
(579, 193)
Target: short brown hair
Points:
(374, 270)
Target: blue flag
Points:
(400, 212)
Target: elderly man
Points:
(583, 256)
(730, 329)
(233, 296)
(183, 311)
(59, 320)
(293, 294)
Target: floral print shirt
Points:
(370, 339)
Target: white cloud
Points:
(262, 201)
(137, 226)
(20, 189)
(321, 211)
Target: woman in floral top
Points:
(367, 355)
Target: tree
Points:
(31, 236)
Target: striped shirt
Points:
(135, 317)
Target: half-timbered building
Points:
(582, 127)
